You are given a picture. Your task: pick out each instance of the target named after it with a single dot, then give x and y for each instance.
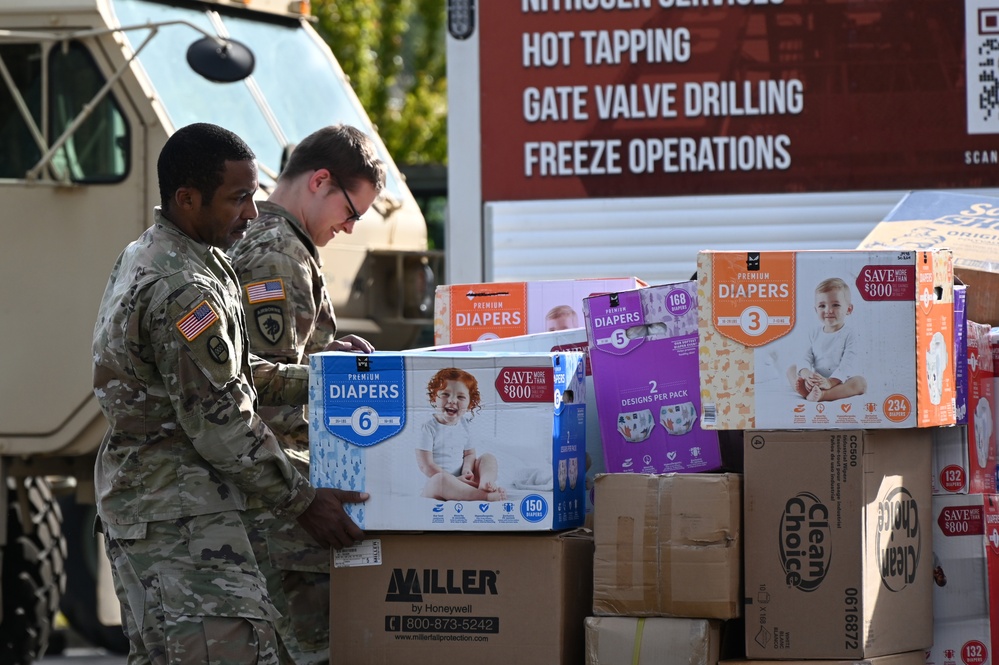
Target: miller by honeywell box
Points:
(643, 352)
(966, 223)
(469, 312)
(572, 339)
(452, 441)
(815, 339)
(966, 579)
(838, 549)
(652, 641)
(488, 599)
(668, 545)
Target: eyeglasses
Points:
(355, 216)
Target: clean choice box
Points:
(452, 441)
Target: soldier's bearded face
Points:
(223, 220)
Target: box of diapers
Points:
(826, 339)
(572, 339)
(644, 355)
(443, 441)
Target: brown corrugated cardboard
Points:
(668, 545)
(652, 641)
(905, 658)
(483, 598)
(966, 223)
(838, 547)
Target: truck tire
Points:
(34, 574)
(79, 603)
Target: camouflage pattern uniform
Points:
(185, 450)
(289, 315)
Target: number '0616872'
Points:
(851, 619)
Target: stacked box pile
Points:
(451, 561)
(838, 367)
(667, 567)
(964, 522)
(859, 523)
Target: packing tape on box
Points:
(636, 650)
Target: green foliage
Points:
(393, 52)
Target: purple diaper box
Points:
(643, 355)
(961, 351)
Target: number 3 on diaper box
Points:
(753, 300)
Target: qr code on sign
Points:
(982, 60)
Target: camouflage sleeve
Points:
(209, 389)
(278, 384)
(281, 310)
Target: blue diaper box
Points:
(452, 441)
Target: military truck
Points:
(89, 92)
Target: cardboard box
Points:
(652, 641)
(966, 579)
(668, 545)
(983, 460)
(374, 418)
(968, 224)
(573, 339)
(981, 404)
(837, 547)
(964, 457)
(488, 599)
(469, 312)
(766, 320)
(907, 658)
(643, 352)
(961, 351)
(994, 344)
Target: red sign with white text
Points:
(610, 98)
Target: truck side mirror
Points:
(220, 60)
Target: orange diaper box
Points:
(837, 339)
(472, 312)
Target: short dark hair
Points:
(195, 156)
(345, 151)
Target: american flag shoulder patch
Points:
(197, 321)
(272, 289)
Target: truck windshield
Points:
(300, 86)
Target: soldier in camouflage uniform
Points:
(330, 180)
(185, 449)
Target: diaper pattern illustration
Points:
(678, 419)
(936, 364)
(635, 426)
